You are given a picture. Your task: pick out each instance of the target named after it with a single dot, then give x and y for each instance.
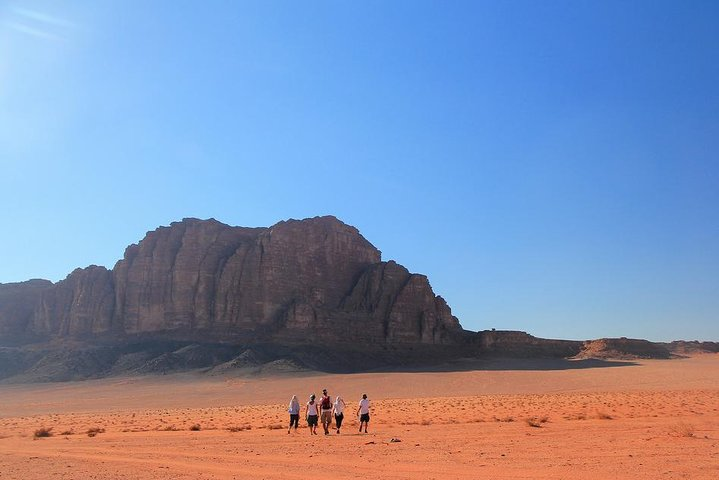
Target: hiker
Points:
(338, 409)
(311, 414)
(294, 409)
(326, 411)
(363, 412)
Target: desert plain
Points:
(494, 419)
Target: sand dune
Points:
(648, 419)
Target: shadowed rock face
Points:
(296, 282)
(82, 304)
(17, 304)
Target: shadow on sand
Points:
(509, 364)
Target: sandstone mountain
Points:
(313, 280)
(308, 294)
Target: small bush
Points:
(533, 422)
(43, 432)
(276, 426)
(91, 432)
(195, 428)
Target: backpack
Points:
(326, 403)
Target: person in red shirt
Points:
(326, 411)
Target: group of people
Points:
(323, 411)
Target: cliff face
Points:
(402, 305)
(521, 344)
(82, 304)
(17, 304)
(296, 281)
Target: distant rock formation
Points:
(517, 344)
(313, 280)
(623, 349)
(308, 294)
(692, 347)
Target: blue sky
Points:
(551, 166)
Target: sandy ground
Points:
(512, 420)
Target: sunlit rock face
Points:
(298, 281)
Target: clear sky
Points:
(551, 166)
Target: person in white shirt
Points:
(294, 409)
(338, 410)
(311, 414)
(363, 412)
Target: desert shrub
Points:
(195, 428)
(533, 422)
(68, 432)
(169, 428)
(275, 426)
(91, 432)
(43, 432)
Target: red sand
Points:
(656, 419)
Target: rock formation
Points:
(303, 294)
(201, 280)
(623, 348)
(520, 344)
(693, 347)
